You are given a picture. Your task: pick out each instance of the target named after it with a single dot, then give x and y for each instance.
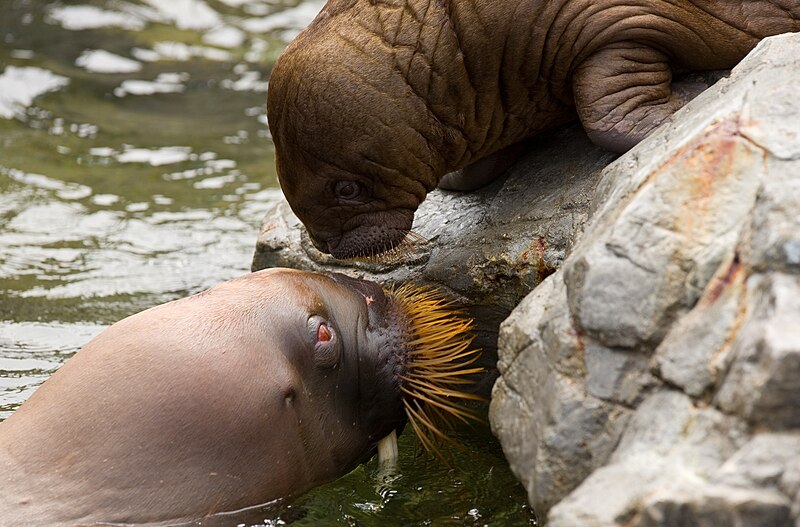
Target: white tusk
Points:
(387, 450)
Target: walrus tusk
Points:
(387, 450)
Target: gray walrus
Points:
(255, 390)
(377, 100)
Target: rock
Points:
(652, 256)
(674, 323)
(653, 452)
(690, 354)
(556, 433)
(488, 248)
(713, 506)
(768, 460)
(763, 379)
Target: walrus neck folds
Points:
(471, 93)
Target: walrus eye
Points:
(324, 333)
(326, 342)
(347, 189)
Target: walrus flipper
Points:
(624, 91)
(483, 171)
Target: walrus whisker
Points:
(431, 434)
(393, 251)
(427, 443)
(439, 390)
(462, 414)
(430, 425)
(453, 382)
(439, 365)
(443, 365)
(430, 416)
(452, 375)
(446, 357)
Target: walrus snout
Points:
(377, 233)
(324, 246)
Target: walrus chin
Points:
(393, 248)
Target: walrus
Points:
(255, 390)
(377, 102)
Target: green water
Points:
(114, 198)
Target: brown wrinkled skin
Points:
(393, 95)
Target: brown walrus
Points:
(255, 390)
(377, 100)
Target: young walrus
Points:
(255, 390)
(377, 100)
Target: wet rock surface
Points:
(654, 379)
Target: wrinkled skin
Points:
(216, 402)
(377, 100)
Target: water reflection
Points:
(30, 352)
(20, 86)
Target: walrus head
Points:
(357, 149)
(348, 360)
(415, 351)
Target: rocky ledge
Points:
(655, 378)
(652, 376)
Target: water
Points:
(135, 167)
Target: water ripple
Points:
(31, 352)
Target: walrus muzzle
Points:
(377, 233)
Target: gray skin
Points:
(213, 403)
(378, 100)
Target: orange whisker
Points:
(439, 364)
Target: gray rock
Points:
(606, 497)
(690, 354)
(773, 242)
(678, 311)
(701, 438)
(763, 380)
(766, 461)
(555, 433)
(669, 443)
(616, 375)
(651, 257)
(714, 506)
